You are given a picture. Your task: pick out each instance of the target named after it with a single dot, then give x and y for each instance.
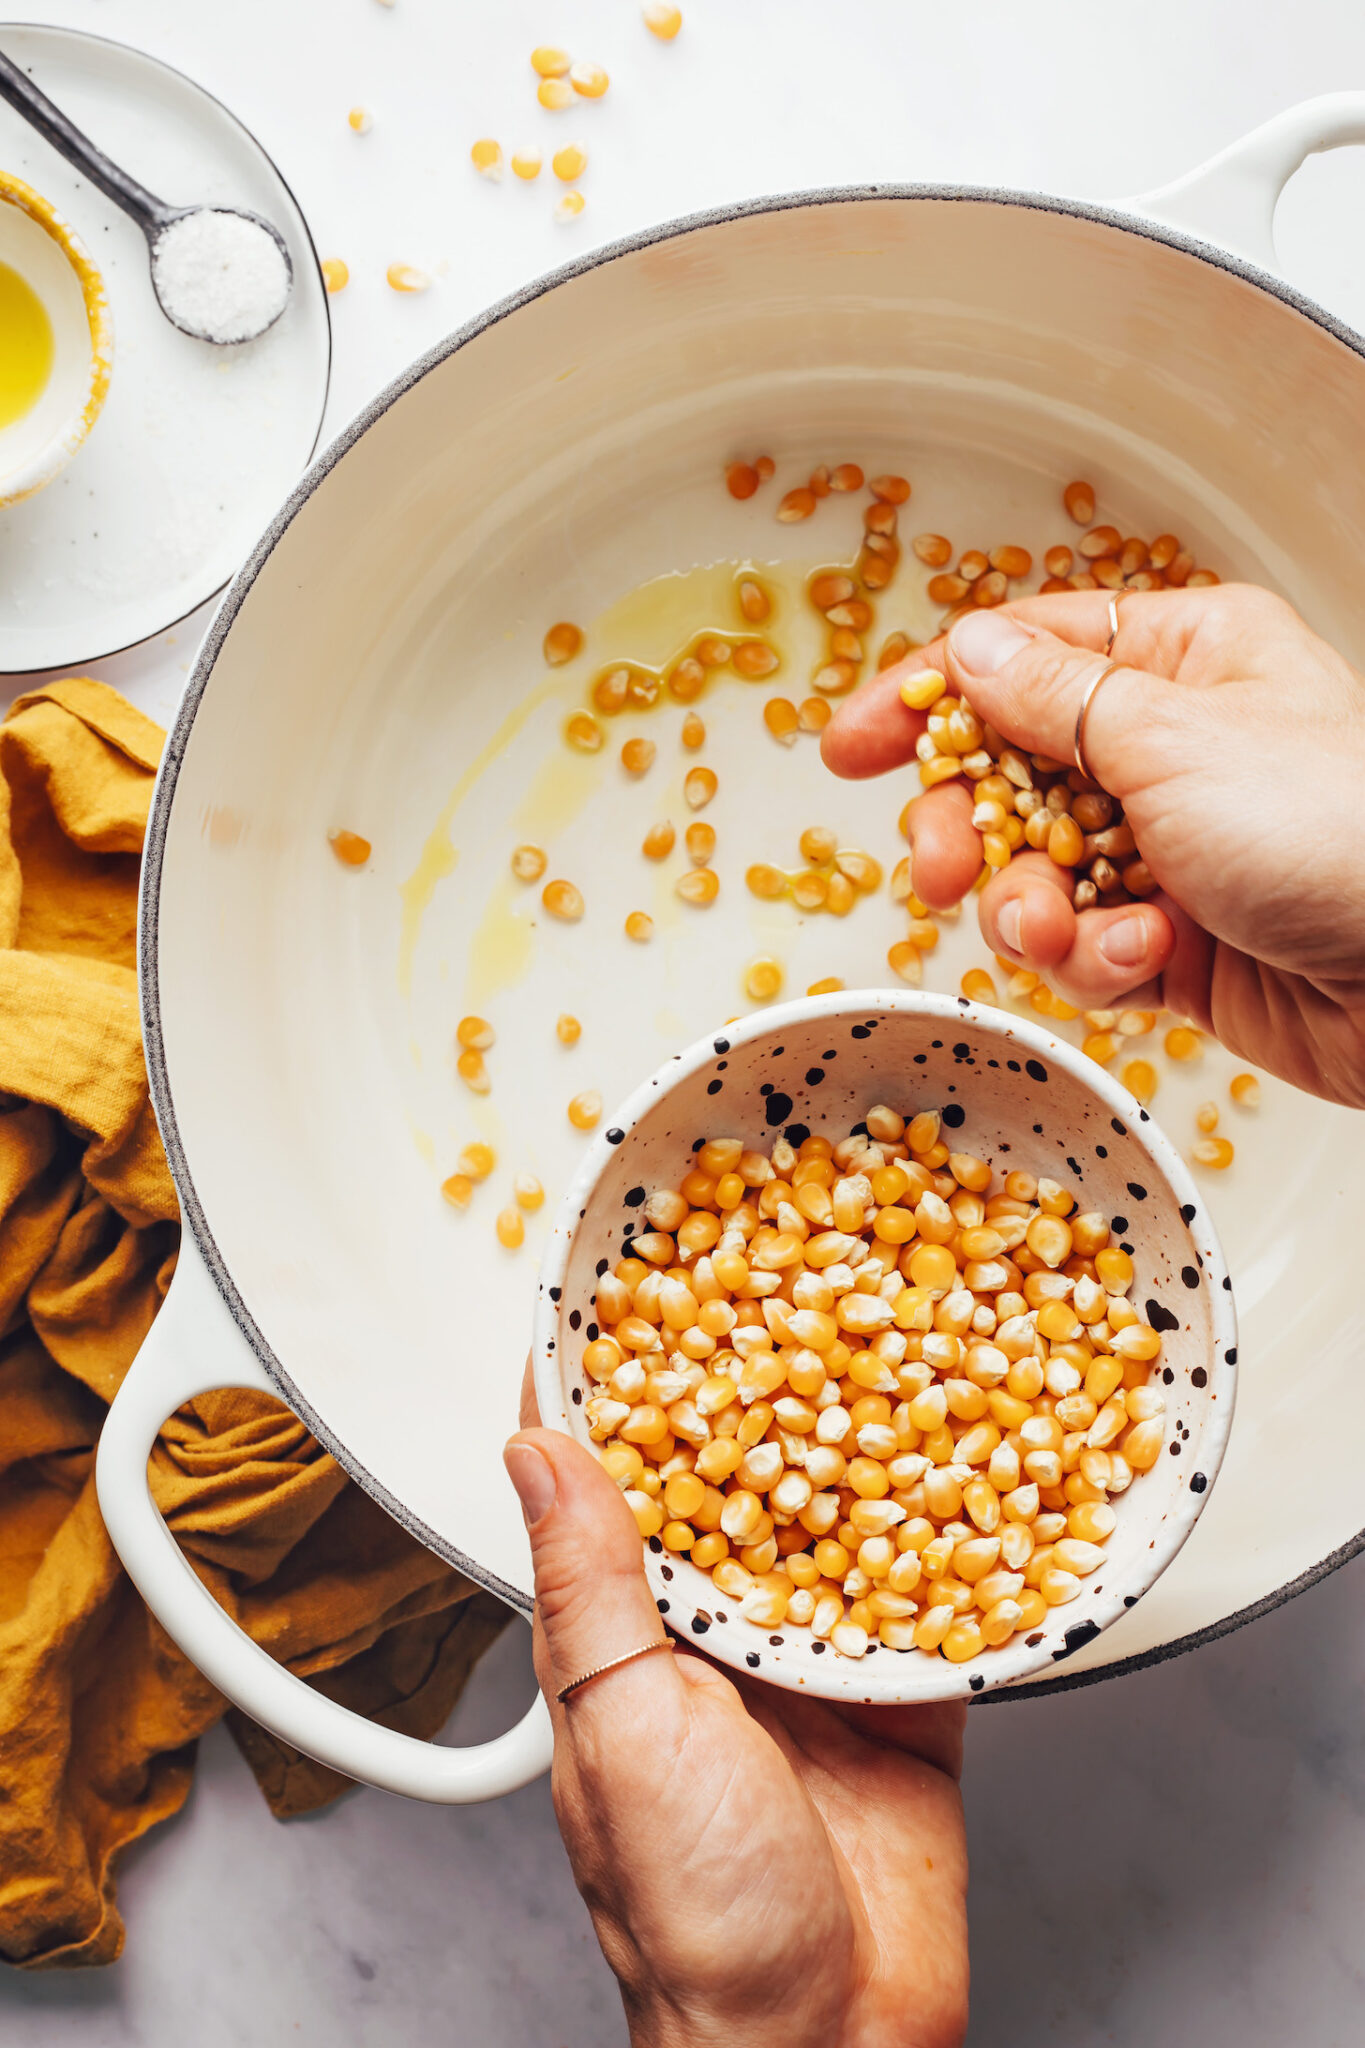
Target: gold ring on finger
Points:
(1101, 675)
(1116, 598)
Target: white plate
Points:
(196, 445)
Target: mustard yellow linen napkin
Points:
(99, 1712)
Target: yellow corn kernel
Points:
(762, 979)
(1135, 1023)
(583, 733)
(766, 881)
(405, 277)
(1100, 1046)
(472, 1071)
(510, 1228)
(693, 732)
(589, 81)
(526, 164)
(563, 901)
(663, 21)
(336, 274)
(568, 1030)
(637, 756)
(827, 987)
(555, 94)
(1183, 1044)
(350, 849)
(528, 863)
(571, 205)
(977, 986)
(549, 62)
(562, 643)
(907, 962)
(700, 841)
(782, 720)
(474, 1033)
(699, 886)
(585, 1110)
(1140, 1078)
(477, 1161)
(360, 121)
(570, 162)
(1245, 1091)
(659, 841)
(818, 845)
(1214, 1152)
(921, 691)
(458, 1190)
(1206, 1117)
(486, 157)
(941, 769)
(640, 927)
(699, 787)
(528, 1191)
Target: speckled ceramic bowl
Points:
(1021, 1098)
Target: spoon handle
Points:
(23, 95)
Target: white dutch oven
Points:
(376, 665)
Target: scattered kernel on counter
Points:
(870, 1396)
(568, 1030)
(659, 841)
(555, 94)
(782, 719)
(583, 732)
(360, 120)
(763, 979)
(814, 714)
(637, 756)
(562, 643)
(526, 164)
(570, 206)
(640, 927)
(350, 849)
(472, 1071)
(663, 21)
(977, 986)
(741, 480)
(336, 274)
(906, 962)
(585, 1110)
(510, 1228)
(693, 732)
(590, 81)
(1206, 1117)
(477, 1161)
(486, 157)
(548, 62)
(528, 1191)
(528, 863)
(570, 162)
(1215, 1152)
(796, 506)
(474, 1033)
(1245, 1091)
(405, 277)
(1183, 1044)
(458, 1190)
(563, 901)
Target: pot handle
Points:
(193, 1346)
(1231, 199)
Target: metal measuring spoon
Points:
(220, 273)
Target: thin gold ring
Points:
(1087, 699)
(1115, 600)
(585, 1677)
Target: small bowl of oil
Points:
(56, 341)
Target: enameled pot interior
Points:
(1010, 1095)
(379, 668)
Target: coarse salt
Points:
(220, 274)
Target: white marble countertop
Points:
(1171, 1857)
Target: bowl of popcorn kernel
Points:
(906, 1335)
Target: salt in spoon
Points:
(220, 273)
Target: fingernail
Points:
(1011, 923)
(983, 642)
(533, 1476)
(1124, 944)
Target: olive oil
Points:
(25, 346)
